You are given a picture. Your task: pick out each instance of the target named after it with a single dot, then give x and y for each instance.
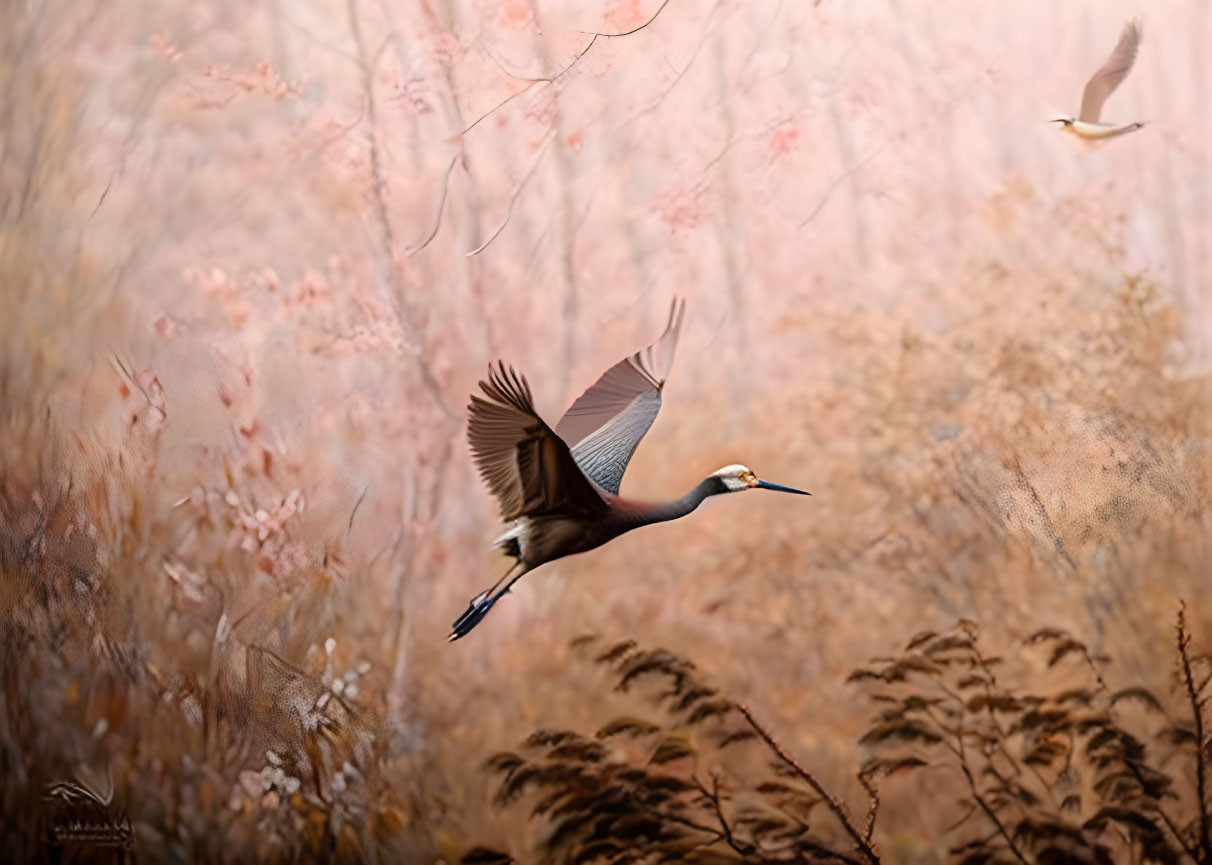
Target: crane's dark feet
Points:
(476, 610)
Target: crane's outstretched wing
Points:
(526, 465)
(606, 422)
(1115, 70)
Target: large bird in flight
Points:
(558, 489)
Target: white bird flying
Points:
(1100, 86)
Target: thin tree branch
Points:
(533, 81)
(376, 165)
(386, 232)
(838, 809)
(837, 181)
(354, 512)
(988, 687)
(990, 813)
(130, 374)
(713, 796)
(678, 76)
(596, 34)
(1197, 709)
(104, 193)
(690, 824)
(437, 224)
(879, 148)
(1178, 835)
(873, 807)
(513, 198)
(960, 752)
(551, 79)
(1057, 542)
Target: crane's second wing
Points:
(1111, 74)
(525, 464)
(606, 423)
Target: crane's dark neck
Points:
(665, 511)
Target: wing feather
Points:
(1103, 83)
(606, 423)
(524, 463)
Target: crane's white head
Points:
(737, 478)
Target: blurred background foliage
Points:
(252, 259)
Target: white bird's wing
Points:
(1115, 70)
(606, 423)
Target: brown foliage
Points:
(641, 791)
(1047, 776)
(210, 738)
(1044, 776)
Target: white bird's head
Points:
(737, 478)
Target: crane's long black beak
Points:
(766, 485)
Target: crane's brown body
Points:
(559, 489)
(541, 539)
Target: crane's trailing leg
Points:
(482, 603)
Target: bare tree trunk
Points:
(565, 233)
(728, 229)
